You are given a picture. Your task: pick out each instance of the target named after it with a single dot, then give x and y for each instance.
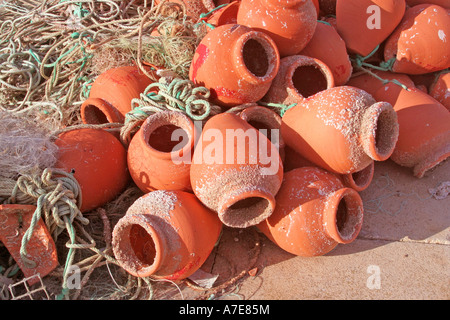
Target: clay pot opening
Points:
(343, 216)
(137, 246)
(309, 80)
(258, 57)
(360, 180)
(168, 133)
(255, 57)
(246, 209)
(381, 131)
(94, 115)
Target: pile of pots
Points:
(296, 174)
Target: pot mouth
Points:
(246, 208)
(343, 215)
(380, 131)
(258, 59)
(137, 246)
(98, 111)
(360, 180)
(169, 134)
(309, 76)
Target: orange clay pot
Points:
(442, 3)
(341, 129)
(165, 234)
(440, 90)
(327, 7)
(371, 85)
(223, 15)
(159, 154)
(15, 219)
(424, 139)
(359, 180)
(111, 94)
(236, 171)
(314, 213)
(236, 63)
(268, 122)
(299, 77)
(360, 27)
(327, 46)
(421, 43)
(290, 23)
(98, 161)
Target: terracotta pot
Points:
(442, 3)
(424, 138)
(159, 154)
(268, 122)
(341, 129)
(365, 24)
(111, 94)
(236, 63)
(440, 90)
(420, 43)
(98, 161)
(290, 24)
(371, 84)
(15, 219)
(299, 77)
(165, 234)
(236, 171)
(223, 15)
(314, 213)
(327, 46)
(359, 180)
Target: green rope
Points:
(280, 108)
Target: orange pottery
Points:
(111, 94)
(223, 15)
(327, 46)
(420, 44)
(365, 24)
(314, 213)
(15, 220)
(424, 139)
(236, 171)
(440, 90)
(165, 234)
(290, 23)
(341, 129)
(237, 64)
(442, 3)
(299, 77)
(98, 162)
(268, 122)
(159, 154)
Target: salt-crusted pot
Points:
(420, 44)
(165, 234)
(314, 213)
(111, 94)
(160, 153)
(15, 220)
(341, 129)
(424, 137)
(98, 161)
(237, 64)
(299, 77)
(365, 24)
(327, 46)
(442, 3)
(236, 171)
(440, 89)
(268, 122)
(290, 23)
(223, 15)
